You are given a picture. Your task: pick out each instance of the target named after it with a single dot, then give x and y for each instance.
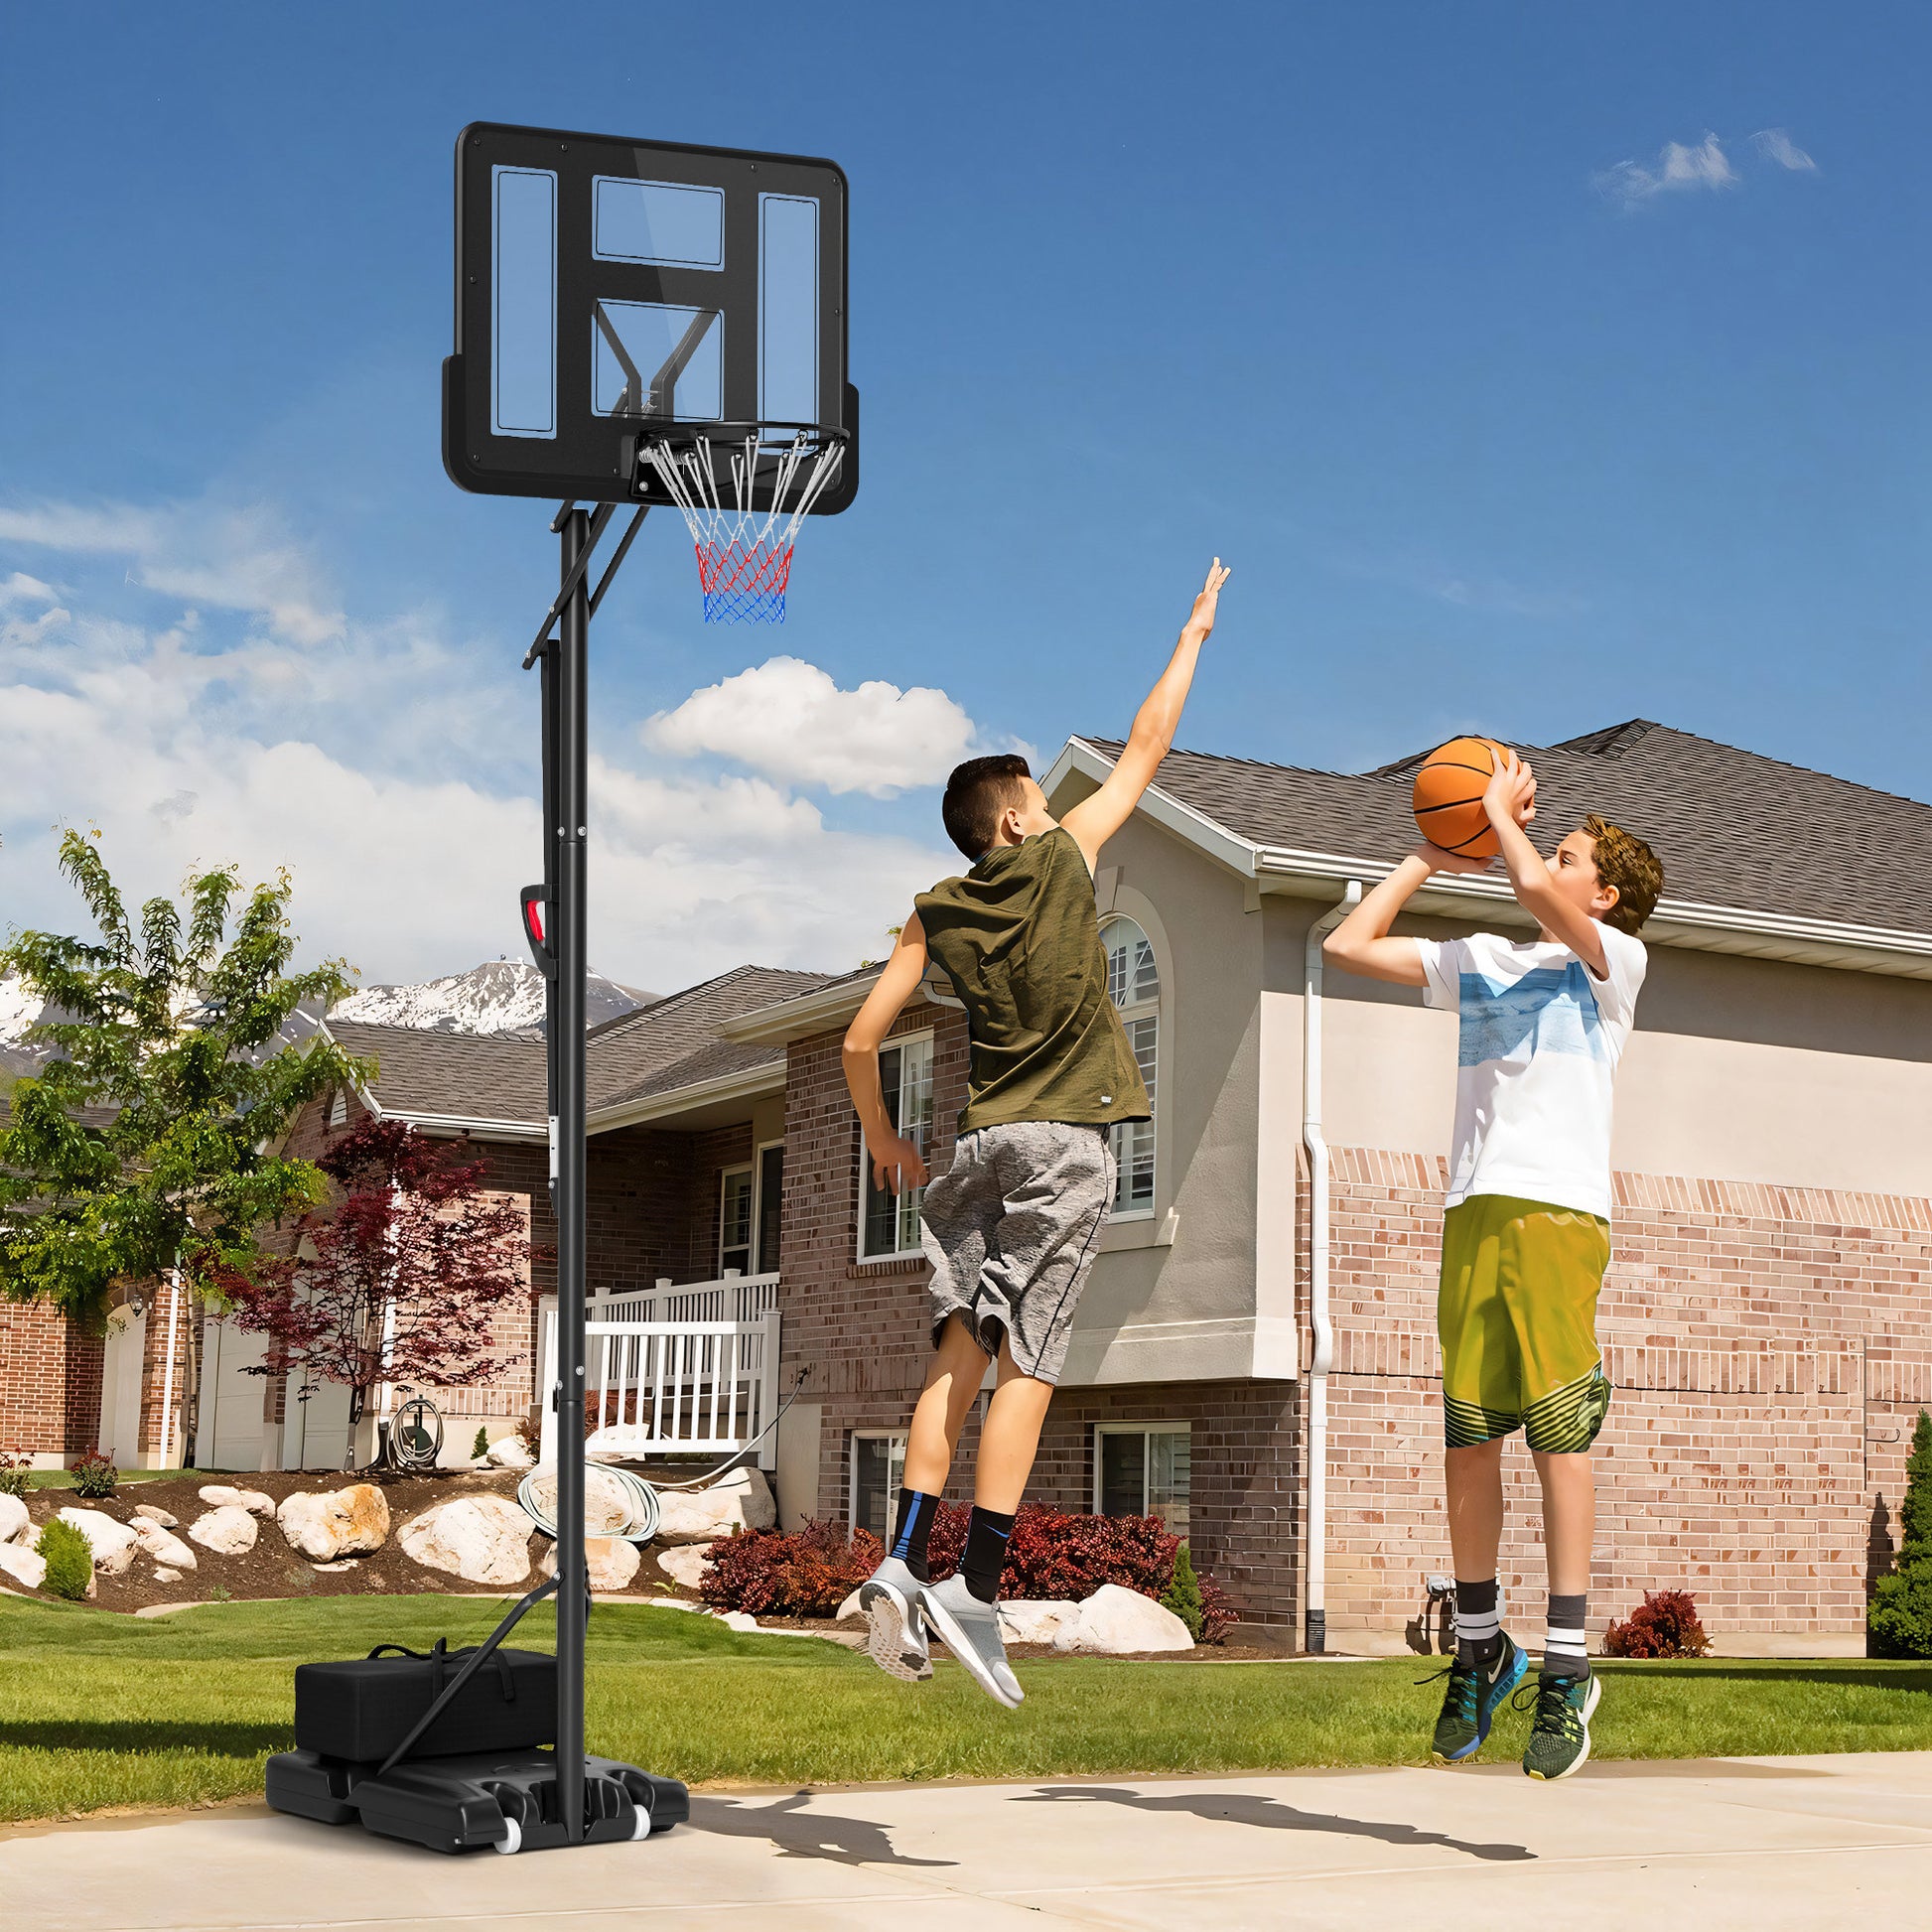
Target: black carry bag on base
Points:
(361, 1710)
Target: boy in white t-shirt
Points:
(1526, 1232)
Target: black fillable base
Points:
(506, 1800)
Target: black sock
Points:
(1565, 1652)
(912, 1527)
(1479, 1632)
(986, 1552)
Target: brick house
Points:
(1766, 1315)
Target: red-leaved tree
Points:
(399, 1283)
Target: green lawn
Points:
(100, 1711)
(64, 1478)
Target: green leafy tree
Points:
(154, 1138)
(1901, 1615)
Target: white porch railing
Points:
(690, 1370)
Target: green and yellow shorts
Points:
(1517, 1316)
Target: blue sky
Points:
(1534, 368)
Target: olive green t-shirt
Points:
(1019, 939)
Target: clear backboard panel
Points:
(607, 290)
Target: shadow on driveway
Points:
(802, 1833)
(1244, 1808)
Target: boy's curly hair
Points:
(1625, 860)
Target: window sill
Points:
(905, 1264)
(1142, 1228)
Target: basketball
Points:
(1449, 797)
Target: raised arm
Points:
(895, 1162)
(1510, 801)
(1093, 821)
(1361, 942)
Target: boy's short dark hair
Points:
(1625, 860)
(976, 794)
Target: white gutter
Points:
(1315, 1595)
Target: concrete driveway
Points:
(1758, 1843)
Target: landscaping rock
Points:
(335, 1523)
(613, 1562)
(163, 1545)
(685, 1563)
(481, 1539)
(156, 1514)
(167, 1576)
(15, 1522)
(742, 1501)
(1038, 1619)
(1118, 1622)
(606, 1504)
(27, 1567)
(256, 1502)
(112, 1542)
(738, 1619)
(229, 1530)
(511, 1452)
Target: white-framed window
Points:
(769, 1219)
(878, 1475)
(889, 1223)
(737, 1217)
(1140, 1468)
(1134, 985)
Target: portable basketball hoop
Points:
(744, 491)
(652, 325)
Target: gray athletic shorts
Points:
(1012, 1228)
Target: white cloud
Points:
(788, 720)
(374, 770)
(1774, 144)
(22, 589)
(235, 559)
(1678, 168)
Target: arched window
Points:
(1134, 983)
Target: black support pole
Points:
(569, 721)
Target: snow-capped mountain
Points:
(500, 996)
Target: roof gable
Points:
(1731, 827)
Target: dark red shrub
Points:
(769, 1573)
(1219, 1614)
(1665, 1626)
(1055, 1554)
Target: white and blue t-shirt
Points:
(1539, 1041)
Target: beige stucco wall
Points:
(1173, 1298)
(1740, 1069)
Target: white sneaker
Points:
(892, 1598)
(970, 1629)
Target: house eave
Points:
(1686, 924)
(752, 1083)
(817, 1012)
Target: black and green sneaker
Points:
(1469, 1704)
(1560, 1730)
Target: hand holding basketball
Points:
(1201, 617)
(1510, 795)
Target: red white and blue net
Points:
(745, 554)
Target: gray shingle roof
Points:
(1731, 828)
(673, 1042)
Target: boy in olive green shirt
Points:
(1011, 1228)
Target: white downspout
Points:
(168, 1370)
(1315, 1605)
